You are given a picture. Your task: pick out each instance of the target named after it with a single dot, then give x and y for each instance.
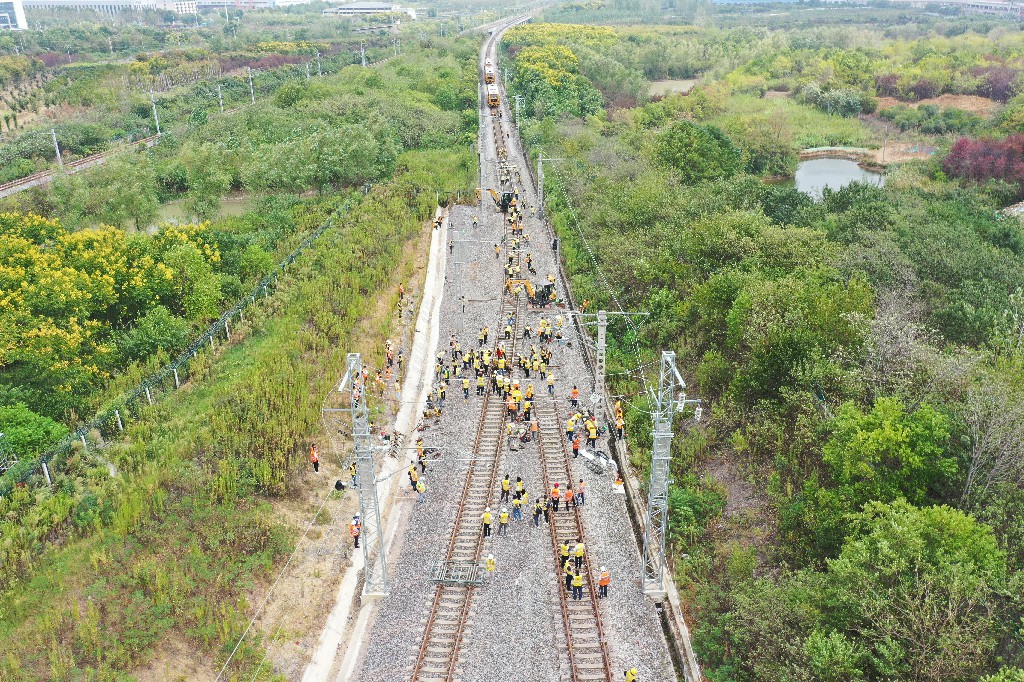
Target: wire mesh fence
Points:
(130, 405)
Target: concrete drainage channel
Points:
(336, 653)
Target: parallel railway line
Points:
(585, 641)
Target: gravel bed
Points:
(515, 630)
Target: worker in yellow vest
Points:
(490, 565)
(503, 521)
(577, 586)
(578, 553)
(487, 518)
(632, 675)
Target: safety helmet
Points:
(488, 509)
(490, 556)
(355, 517)
(603, 568)
(504, 509)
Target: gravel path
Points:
(515, 630)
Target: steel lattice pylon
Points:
(657, 500)
(665, 405)
(7, 457)
(372, 540)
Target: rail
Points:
(46, 176)
(584, 632)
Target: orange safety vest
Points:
(511, 405)
(313, 457)
(554, 493)
(605, 579)
(575, 394)
(355, 529)
(568, 494)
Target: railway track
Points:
(439, 650)
(587, 649)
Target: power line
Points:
(597, 267)
(266, 598)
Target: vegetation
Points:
(854, 353)
(97, 570)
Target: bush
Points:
(28, 433)
(158, 329)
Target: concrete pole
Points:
(60, 159)
(120, 424)
(252, 92)
(220, 98)
(599, 385)
(156, 118)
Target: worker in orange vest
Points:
(581, 493)
(314, 457)
(356, 529)
(556, 495)
(603, 581)
(574, 397)
(401, 291)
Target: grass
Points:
(175, 544)
(811, 127)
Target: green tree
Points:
(28, 433)
(207, 179)
(920, 587)
(157, 329)
(196, 286)
(698, 152)
(889, 453)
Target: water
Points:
(815, 174)
(665, 87)
(174, 211)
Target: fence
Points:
(133, 402)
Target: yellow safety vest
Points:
(578, 580)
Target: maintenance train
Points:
(493, 98)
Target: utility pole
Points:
(60, 159)
(362, 54)
(665, 404)
(307, 70)
(318, 71)
(156, 118)
(220, 98)
(517, 98)
(600, 358)
(252, 92)
(599, 366)
(375, 566)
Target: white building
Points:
(114, 6)
(362, 7)
(12, 16)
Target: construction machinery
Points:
(504, 201)
(537, 295)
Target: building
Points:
(247, 4)
(114, 6)
(12, 16)
(365, 7)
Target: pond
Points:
(670, 86)
(174, 211)
(814, 175)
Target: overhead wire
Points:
(600, 272)
(270, 592)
